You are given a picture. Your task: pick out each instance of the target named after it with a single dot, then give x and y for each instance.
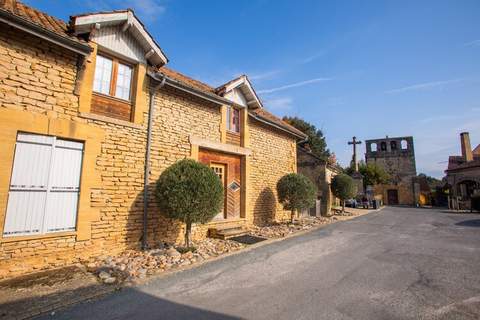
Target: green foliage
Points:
(190, 192)
(373, 174)
(296, 192)
(343, 187)
(432, 182)
(316, 141)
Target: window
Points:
(233, 119)
(383, 146)
(234, 186)
(44, 187)
(112, 78)
(393, 145)
(373, 147)
(404, 144)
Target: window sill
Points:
(233, 132)
(38, 236)
(106, 96)
(93, 116)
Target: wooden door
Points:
(221, 172)
(392, 196)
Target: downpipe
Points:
(146, 175)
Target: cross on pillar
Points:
(354, 142)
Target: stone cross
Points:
(354, 142)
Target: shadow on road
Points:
(469, 223)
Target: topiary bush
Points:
(343, 187)
(296, 192)
(190, 192)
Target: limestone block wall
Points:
(177, 117)
(273, 156)
(39, 79)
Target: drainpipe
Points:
(146, 175)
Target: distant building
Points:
(320, 172)
(463, 174)
(397, 157)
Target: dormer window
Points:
(233, 120)
(113, 78)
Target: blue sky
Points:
(364, 68)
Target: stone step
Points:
(227, 232)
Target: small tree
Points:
(373, 174)
(296, 192)
(343, 187)
(190, 192)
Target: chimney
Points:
(466, 147)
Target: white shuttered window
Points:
(44, 186)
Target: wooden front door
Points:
(228, 168)
(221, 171)
(392, 196)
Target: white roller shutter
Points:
(44, 187)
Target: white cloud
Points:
(278, 104)
(264, 75)
(314, 57)
(294, 85)
(424, 86)
(474, 43)
(147, 10)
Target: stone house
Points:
(320, 172)
(463, 175)
(90, 117)
(397, 157)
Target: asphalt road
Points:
(400, 263)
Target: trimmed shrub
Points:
(343, 187)
(190, 192)
(296, 192)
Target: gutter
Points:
(278, 127)
(38, 31)
(146, 175)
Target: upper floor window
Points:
(383, 146)
(233, 119)
(113, 78)
(393, 145)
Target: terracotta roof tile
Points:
(186, 80)
(39, 18)
(265, 115)
(259, 112)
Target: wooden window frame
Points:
(114, 77)
(230, 120)
(109, 105)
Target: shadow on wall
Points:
(265, 208)
(159, 229)
(126, 304)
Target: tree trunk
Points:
(188, 232)
(292, 216)
(343, 206)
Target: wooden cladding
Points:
(112, 88)
(110, 107)
(233, 138)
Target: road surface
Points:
(399, 263)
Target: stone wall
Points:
(38, 78)
(399, 163)
(273, 156)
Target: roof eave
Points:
(84, 23)
(158, 76)
(270, 123)
(38, 31)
